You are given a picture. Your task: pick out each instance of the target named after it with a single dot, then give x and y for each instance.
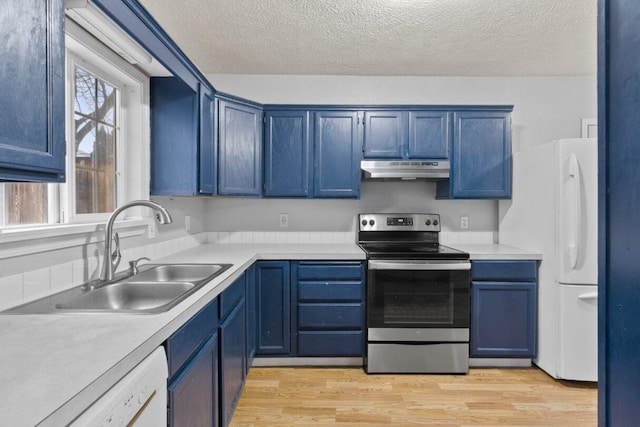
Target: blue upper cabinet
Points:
(208, 142)
(287, 155)
(240, 149)
(428, 135)
(174, 138)
(396, 134)
(385, 134)
(32, 139)
(337, 149)
(481, 156)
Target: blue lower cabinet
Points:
(330, 316)
(192, 355)
(329, 302)
(252, 316)
(330, 343)
(503, 319)
(232, 361)
(273, 304)
(193, 393)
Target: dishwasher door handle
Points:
(419, 265)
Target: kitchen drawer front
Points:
(186, 340)
(348, 270)
(330, 343)
(526, 270)
(330, 316)
(231, 296)
(330, 291)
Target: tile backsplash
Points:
(30, 285)
(289, 237)
(295, 237)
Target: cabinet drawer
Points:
(330, 343)
(186, 340)
(330, 291)
(328, 316)
(504, 270)
(330, 271)
(231, 296)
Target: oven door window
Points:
(418, 299)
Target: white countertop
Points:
(480, 251)
(52, 367)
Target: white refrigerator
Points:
(554, 211)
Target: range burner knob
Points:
(428, 222)
(435, 222)
(371, 222)
(364, 222)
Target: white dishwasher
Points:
(139, 399)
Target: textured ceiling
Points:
(384, 37)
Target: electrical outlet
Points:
(464, 222)
(187, 222)
(284, 220)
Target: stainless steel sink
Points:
(155, 289)
(128, 296)
(177, 272)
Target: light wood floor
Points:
(310, 397)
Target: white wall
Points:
(545, 108)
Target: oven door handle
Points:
(422, 265)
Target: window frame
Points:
(63, 230)
(132, 138)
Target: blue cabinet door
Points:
(32, 112)
(240, 149)
(208, 143)
(503, 319)
(286, 154)
(428, 135)
(183, 343)
(481, 156)
(338, 151)
(385, 134)
(252, 316)
(174, 138)
(274, 325)
(232, 361)
(193, 394)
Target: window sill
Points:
(26, 241)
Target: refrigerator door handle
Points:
(574, 244)
(589, 296)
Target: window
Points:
(107, 142)
(95, 118)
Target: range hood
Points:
(405, 169)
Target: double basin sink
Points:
(156, 288)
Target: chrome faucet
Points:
(112, 259)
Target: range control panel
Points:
(399, 222)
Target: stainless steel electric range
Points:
(418, 295)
